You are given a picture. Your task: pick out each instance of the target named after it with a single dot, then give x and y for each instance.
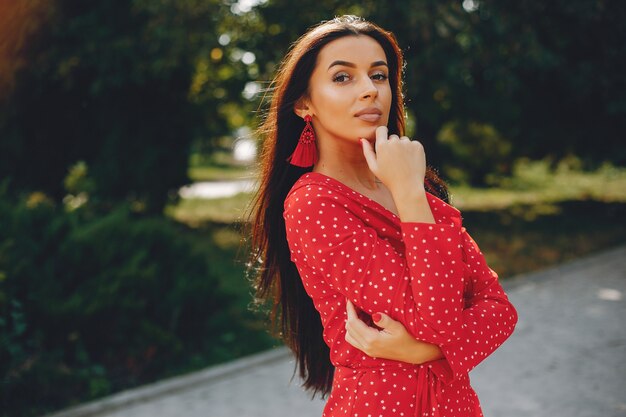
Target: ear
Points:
(302, 108)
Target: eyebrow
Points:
(350, 64)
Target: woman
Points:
(380, 292)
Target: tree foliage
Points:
(125, 86)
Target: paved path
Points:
(567, 358)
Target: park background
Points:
(110, 280)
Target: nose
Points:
(368, 89)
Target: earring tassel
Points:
(305, 154)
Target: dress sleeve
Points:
(421, 286)
(488, 320)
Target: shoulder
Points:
(312, 189)
(316, 196)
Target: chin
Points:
(369, 133)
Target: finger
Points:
(348, 337)
(357, 331)
(385, 322)
(382, 134)
(365, 335)
(350, 310)
(353, 321)
(357, 327)
(393, 137)
(370, 156)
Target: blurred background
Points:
(127, 159)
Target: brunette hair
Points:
(276, 278)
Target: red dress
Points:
(431, 277)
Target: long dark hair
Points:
(276, 278)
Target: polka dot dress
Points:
(431, 277)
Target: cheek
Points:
(386, 96)
(329, 100)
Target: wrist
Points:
(425, 352)
(412, 190)
(413, 206)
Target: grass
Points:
(525, 238)
(533, 183)
(197, 211)
(220, 166)
(218, 173)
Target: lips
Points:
(370, 114)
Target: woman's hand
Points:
(400, 164)
(393, 341)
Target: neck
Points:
(343, 160)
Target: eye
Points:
(380, 76)
(341, 77)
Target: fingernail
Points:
(376, 317)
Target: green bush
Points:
(90, 305)
(474, 151)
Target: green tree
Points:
(125, 86)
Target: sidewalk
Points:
(567, 358)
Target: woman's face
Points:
(349, 93)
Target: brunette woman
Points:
(383, 297)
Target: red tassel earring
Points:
(305, 154)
